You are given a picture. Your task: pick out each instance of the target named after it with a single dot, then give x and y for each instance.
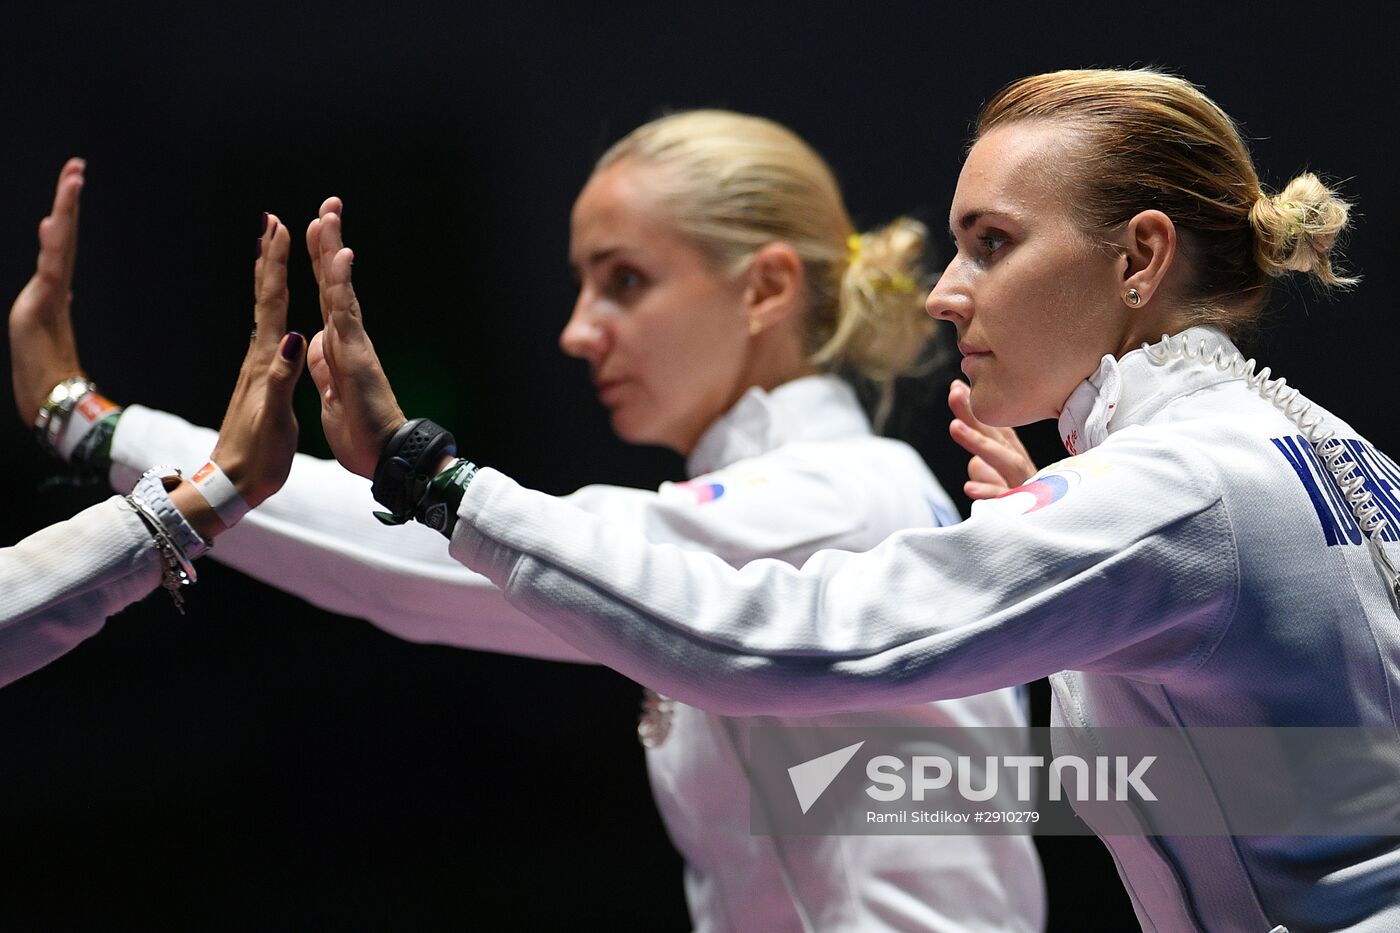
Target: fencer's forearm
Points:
(928, 615)
(59, 585)
(430, 602)
(317, 539)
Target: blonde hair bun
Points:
(883, 327)
(1295, 230)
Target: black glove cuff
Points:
(404, 471)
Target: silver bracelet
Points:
(175, 539)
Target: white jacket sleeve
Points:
(1131, 571)
(317, 539)
(58, 585)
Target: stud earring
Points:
(1133, 298)
(755, 325)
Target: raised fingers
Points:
(983, 482)
(336, 288)
(979, 472)
(320, 261)
(998, 449)
(331, 205)
(58, 232)
(960, 402)
(313, 249)
(1005, 457)
(270, 284)
(330, 241)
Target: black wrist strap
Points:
(404, 471)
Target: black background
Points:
(261, 765)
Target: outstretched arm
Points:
(1010, 595)
(1000, 599)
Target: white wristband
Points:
(150, 492)
(218, 490)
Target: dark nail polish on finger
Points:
(291, 345)
(263, 228)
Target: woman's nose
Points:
(584, 336)
(950, 299)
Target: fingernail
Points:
(263, 228)
(273, 231)
(291, 346)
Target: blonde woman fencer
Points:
(721, 231)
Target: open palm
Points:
(358, 409)
(43, 350)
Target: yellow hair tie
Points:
(902, 284)
(853, 245)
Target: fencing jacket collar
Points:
(1133, 389)
(808, 409)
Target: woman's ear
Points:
(773, 286)
(1149, 252)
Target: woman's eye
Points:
(991, 242)
(625, 282)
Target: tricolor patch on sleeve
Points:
(701, 492)
(1038, 493)
(1048, 486)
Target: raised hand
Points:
(358, 408)
(999, 461)
(258, 435)
(42, 350)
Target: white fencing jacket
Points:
(782, 474)
(60, 584)
(1190, 567)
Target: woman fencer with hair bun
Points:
(1218, 551)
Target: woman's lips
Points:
(609, 390)
(972, 357)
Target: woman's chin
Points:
(646, 432)
(993, 407)
(987, 405)
(630, 428)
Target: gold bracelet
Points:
(57, 408)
